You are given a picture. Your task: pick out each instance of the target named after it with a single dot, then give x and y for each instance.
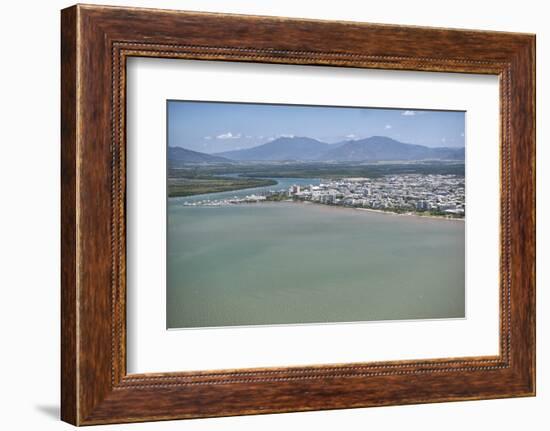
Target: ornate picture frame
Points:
(96, 41)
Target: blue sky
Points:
(211, 127)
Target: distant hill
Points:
(378, 148)
(181, 155)
(296, 148)
(302, 149)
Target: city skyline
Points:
(212, 127)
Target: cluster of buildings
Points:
(409, 193)
(435, 194)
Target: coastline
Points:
(234, 188)
(336, 207)
(407, 214)
(411, 214)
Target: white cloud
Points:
(462, 134)
(272, 138)
(408, 113)
(248, 137)
(229, 135)
(208, 137)
(351, 136)
(387, 126)
(443, 140)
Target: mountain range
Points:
(183, 155)
(381, 148)
(303, 149)
(296, 148)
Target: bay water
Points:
(296, 263)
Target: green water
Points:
(288, 263)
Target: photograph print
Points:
(297, 214)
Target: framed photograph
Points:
(263, 214)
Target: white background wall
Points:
(29, 214)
